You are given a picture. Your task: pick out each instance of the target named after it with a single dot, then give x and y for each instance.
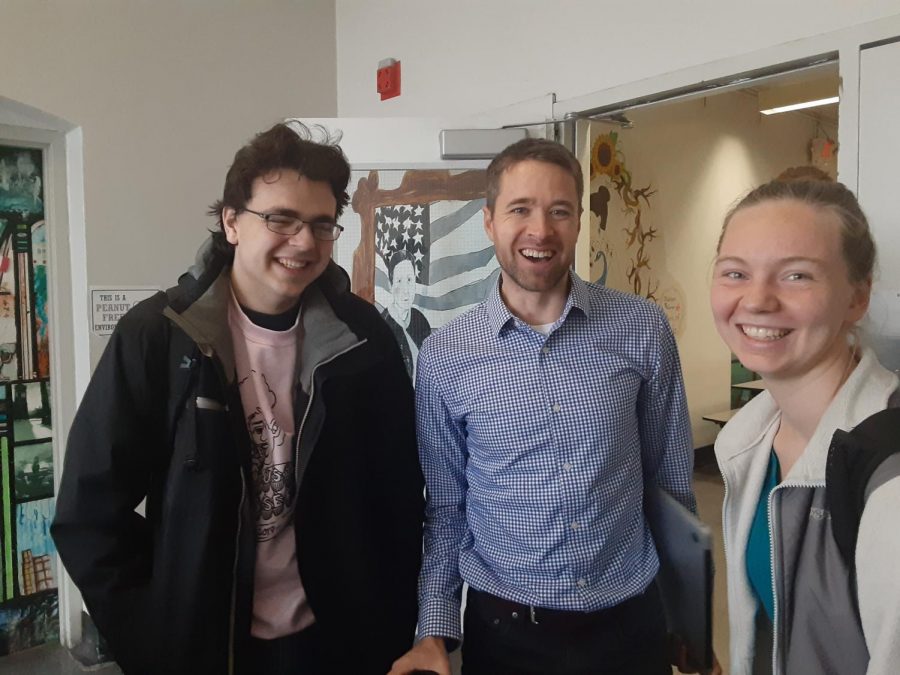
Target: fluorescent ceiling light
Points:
(801, 106)
(798, 95)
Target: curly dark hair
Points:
(291, 146)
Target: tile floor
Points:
(50, 660)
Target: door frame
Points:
(64, 303)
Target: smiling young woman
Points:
(792, 278)
(782, 295)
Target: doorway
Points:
(662, 174)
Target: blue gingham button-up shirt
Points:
(536, 448)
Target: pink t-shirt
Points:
(265, 361)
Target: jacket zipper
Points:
(776, 629)
(724, 511)
(243, 497)
(775, 626)
(312, 391)
(234, 573)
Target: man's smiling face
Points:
(534, 227)
(271, 270)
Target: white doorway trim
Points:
(67, 291)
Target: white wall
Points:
(700, 156)
(472, 55)
(164, 93)
(879, 141)
(466, 57)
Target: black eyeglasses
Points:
(326, 230)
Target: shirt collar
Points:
(499, 314)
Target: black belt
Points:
(488, 606)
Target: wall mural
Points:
(415, 246)
(29, 613)
(623, 254)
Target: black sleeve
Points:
(391, 426)
(105, 545)
(398, 475)
(394, 428)
(405, 485)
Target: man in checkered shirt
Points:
(541, 415)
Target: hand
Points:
(682, 659)
(686, 666)
(716, 668)
(429, 653)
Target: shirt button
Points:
(556, 407)
(545, 350)
(575, 526)
(582, 583)
(567, 467)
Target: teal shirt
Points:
(759, 545)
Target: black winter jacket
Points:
(161, 419)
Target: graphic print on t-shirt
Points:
(273, 479)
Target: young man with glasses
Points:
(265, 414)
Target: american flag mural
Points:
(435, 218)
(456, 267)
(404, 227)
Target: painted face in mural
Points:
(271, 270)
(534, 227)
(403, 286)
(781, 297)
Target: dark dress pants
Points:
(628, 639)
(288, 655)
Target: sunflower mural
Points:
(621, 253)
(604, 157)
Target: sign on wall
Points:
(108, 305)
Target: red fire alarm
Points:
(388, 79)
